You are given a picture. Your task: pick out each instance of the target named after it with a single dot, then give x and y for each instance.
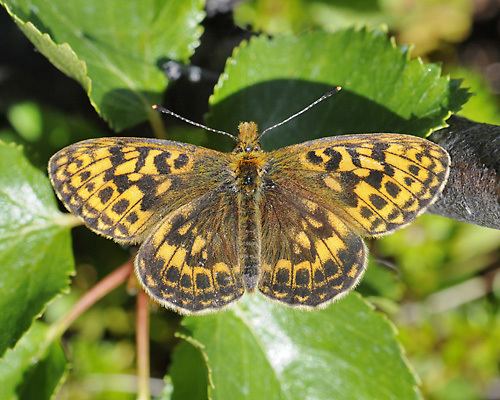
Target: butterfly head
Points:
(248, 138)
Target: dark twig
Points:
(472, 193)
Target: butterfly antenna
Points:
(167, 111)
(325, 96)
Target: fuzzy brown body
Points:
(249, 184)
(213, 225)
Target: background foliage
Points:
(437, 280)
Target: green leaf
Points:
(35, 245)
(267, 80)
(277, 16)
(483, 106)
(188, 372)
(261, 350)
(114, 49)
(43, 130)
(34, 369)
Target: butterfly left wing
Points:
(190, 263)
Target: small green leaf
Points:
(26, 119)
(34, 369)
(267, 80)
(483, 106)
(261, 350)
(35, 245)
(114, 49)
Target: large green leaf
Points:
(113, 48)
(267, 80)
(35, 245)
(34, 369)
(261, 350)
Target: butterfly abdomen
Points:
(249, 232)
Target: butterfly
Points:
(212, 226)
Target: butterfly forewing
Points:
(375, 182)
(122, 187)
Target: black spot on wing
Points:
(141, 159)
(161, 164)
(334, 159)
(282, 276)
(186, 281)
(120, 206)
(378, 151)
(354, 157)
(105, 194)
(202, 281)
(366, 212)
(375, 179)
(181, 161)
(392, 189)
(172, 275)
(302, 277)
(313, 158)
(84, 175)
(388, 170)
(414, 169)
(122, 182)
(377, 201)
(132, 217)
(117, 156)
(408, 181)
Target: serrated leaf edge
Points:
(201, 348)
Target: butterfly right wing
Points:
(321, 196)
(122, 187)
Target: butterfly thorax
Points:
(248, 168)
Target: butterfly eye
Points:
(248, 149)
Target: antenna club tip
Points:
(154, 106)
(336, 89)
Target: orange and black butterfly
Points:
(213, 225)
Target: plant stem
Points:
(157, 124)
(68, 220)
(102, 288)
(142, 344)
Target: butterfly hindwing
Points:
(190, 262)
(121, 187)
(375, 182)
(309, 255)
